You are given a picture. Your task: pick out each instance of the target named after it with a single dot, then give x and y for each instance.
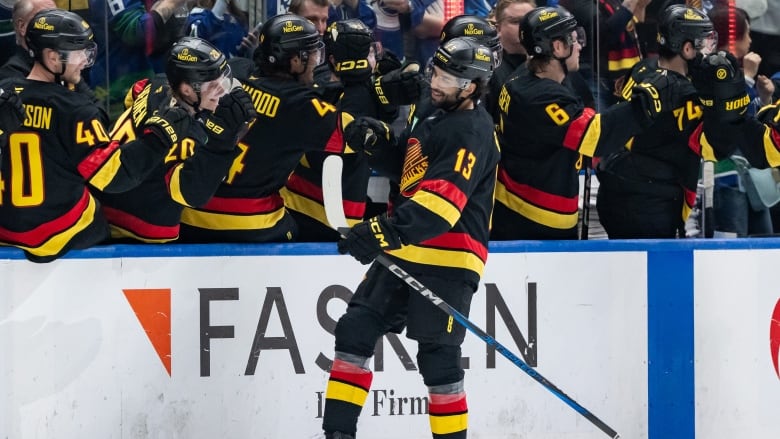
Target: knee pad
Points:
(439, 364)
(357, 332)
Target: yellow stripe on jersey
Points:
(770, 148)
(437, 205)
(449, 424)
(591, 138)
(175, 187)
(345, 392)
(537, 214)
(707, 153)
(108, 171)
(440, 257)
(224, 221)
(119, 233)
(309, 207)
(57, 242)
(622, 64)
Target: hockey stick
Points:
(586, 164)
(331, 193)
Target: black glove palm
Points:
(721, 86)
(652, 97)
(229, 121)
(368, 135)
(169, 125)
(366, 240)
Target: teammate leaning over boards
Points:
(438, 232)
(351, 53)
(46, 208)
(648, 189)
(292, 119)
(545, 130)
(198, 80)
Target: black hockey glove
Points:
(366, 240)
(167, 126)
(721, 86)
(401, 86)
(230, 121)
(11, 114)
(368, 135)
(653, 96)
(387, 63)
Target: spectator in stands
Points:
(198, 80)
(19, 61)
(66, 143)
(220, 22)
(340, 10)
(546, 131)
(765, 35)
(613, 46)
(314, 10)
(648, 191)
(509, 14)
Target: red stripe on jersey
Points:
(577, 129)
(607, 6)
(447, 190)
(538, 197)
(244, 205)
(139, 86)
(96, 159)
(457, 241)
(298, 184)
(694, 141)
(775, 134)
(336, 141)
(40, 234)
(624, 53)
(442, 404)
(139, 226)
(690, 197)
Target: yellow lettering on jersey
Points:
(322, 108)
(265, 104)
(503, 100)
(139, 105)
(36, 116)
(238, 163)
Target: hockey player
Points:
(545, 131)
(437, 231)
(292, 119)
(351, 55)
(198, 80)
(648, 189)
(46, 208)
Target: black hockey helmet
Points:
(349, 42)
(284, 36)
(542, 26)
(59, 30)
(194, 60)
(475, 27)
(465, 58)
(679, 23)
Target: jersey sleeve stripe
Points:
(438, 205)
(447, 190)
(538, 197)
(101, 165)
(584, 132)
(771, 145)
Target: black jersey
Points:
(446, 195)
(544, 130)
(303, 191)
(46, 207)
(188, 176)
(666, 155)
(247, 207)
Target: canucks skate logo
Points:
(289, 26)
(42, 24)
(415, 165)
(547, 15)
(471, 30)
(184, 55)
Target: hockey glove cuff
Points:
(168, 126)
(721, 86)
(229, 121)
(368, 135)
(652, 97)
(401, 86)
(366, 240)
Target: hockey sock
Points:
(448, 411)
(346, 393)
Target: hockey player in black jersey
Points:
(46, 208)
(648, 189)
(351, 55)
(437, 231)
(545, 131)
(198, 80)
(292, 119)
(11, 115)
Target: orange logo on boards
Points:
(152, 307)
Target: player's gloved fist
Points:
(721, 86)
(652, 97)
(11, 111)
(368, 135)
(366, 240)
(229, 121)
(169, 125)
(401, 86)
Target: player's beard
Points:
(444, 100)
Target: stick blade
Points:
(331, 192)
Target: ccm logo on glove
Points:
(379, 235)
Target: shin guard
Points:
(346, 394)
(448, 411)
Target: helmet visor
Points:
(707, 43)
(218, 87)
(438, 78)
(83, 57)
